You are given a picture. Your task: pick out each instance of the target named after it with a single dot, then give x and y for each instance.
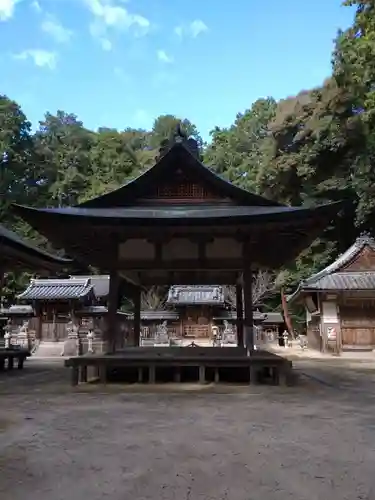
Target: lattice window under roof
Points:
(183, 190)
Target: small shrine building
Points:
(190, 313)
(340, 300)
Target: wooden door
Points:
(195, 323)
(53, 331)
(357, 326)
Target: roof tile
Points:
(55, 289)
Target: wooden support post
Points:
(83, 374)
(239, 310)
(39, 324)
(177, 375)
(10, 363)
(75, 375)
(248, 299)
(137, 316)
(103, 373)
(202, 374)
(2, 364)
(140, 375)
(253, 374)
(2, 275)
(111, 318)
(151, 374)
(54, 324)
(217, 375)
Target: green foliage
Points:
(317, 146)
(237, 152)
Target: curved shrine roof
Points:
(335, 276)
(183, 214)
(181, 155)
(16, 251)
(180, 195)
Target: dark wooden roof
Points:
(180, 198)
(16, 252)
(184, 215)
(338, 276)
(179, 154)
(86, 232)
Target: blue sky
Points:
(120, 63)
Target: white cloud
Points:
(109, 14)
(197, 27)
(194, 29)
(164, 57)
(36, 6)
(7, 9)
(41, 58)
(56, 30)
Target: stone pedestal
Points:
(72, 343)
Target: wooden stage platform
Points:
(200, 364)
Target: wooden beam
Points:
(181, 265)
(137, 316)
(2, 275)
(187, 278)
(239, 310)
(248, 298)
(111, 317)
(237, 231)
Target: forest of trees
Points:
(308, 149)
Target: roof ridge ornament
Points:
(365, 237)
(179, 137)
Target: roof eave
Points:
(15, 248)
(300, 213)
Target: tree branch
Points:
(154, 298)
(263, 286)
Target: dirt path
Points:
(310, 442)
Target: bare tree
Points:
(264, 285)
(154, 298)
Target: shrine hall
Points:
(180, 223)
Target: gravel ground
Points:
(314, 441)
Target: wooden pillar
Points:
(137, 315)
(2, 275)
(111, 318)
(54, 324)
(248, 299)
(39, 323)
(239, 310)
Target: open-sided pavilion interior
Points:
(18, 254)
(180, 223)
